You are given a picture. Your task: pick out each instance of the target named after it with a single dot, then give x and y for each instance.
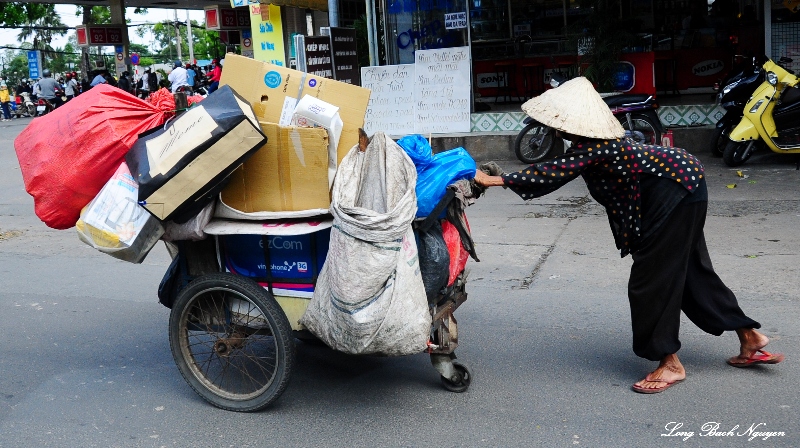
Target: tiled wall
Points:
(699, 115)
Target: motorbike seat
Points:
(625, 98)
(790, 101)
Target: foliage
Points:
(15, 67)
(207, 44)
(606, 35)
(43, 16)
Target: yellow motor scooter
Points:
(771, 116)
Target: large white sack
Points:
(369, 296)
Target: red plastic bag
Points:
(458, 255)
(68, 155)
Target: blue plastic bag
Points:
(418, 149)
(432, 181)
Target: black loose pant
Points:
(672, 272)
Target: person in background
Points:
(178, 77)
(78, 86)
(152, 81)
(190, 75)
(48, 86)
(98, 79)
(124, 82)
(71, 87)
(5, 100)
(214, 76)
(109, 79)
(35, 90)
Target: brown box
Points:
(266, 86)
(288, 173)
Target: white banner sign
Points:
(442, 91)
(391, 104)
(456, 20)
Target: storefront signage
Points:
(391, 104)
(318, 56)
(708, 68)
(455, 21)
(222, 18)
(442, 90)
(488, 80)
(344, 50)
(267, 28)
(88, 35)
(414, 6)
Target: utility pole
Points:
(178, 35)
(189, 36)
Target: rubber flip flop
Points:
(654, 390)
(764, 357)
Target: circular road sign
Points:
(134, 59)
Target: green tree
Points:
(15, 67)
(40, 19)
(207, 44)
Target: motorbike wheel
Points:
(231, 342)
(719, 141)
(537, 142)
(736, 153)
(643, 130)
(31, 110)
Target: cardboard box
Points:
(267, 87)
(288, 173)
(182, 167)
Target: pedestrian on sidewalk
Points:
(5, 100)
(656, 200)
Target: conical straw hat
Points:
(575, 107)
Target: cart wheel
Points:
(462, 380)
(231, 342)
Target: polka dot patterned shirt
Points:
(612, 170)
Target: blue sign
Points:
(34, 64)
(624, 76)
(135, 59)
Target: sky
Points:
(68, 17)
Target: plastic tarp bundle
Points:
(68, 155)
(114, 223)
(369, 296)
(435, 172)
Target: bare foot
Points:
(753, 342)
(669, 371)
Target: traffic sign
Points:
(134, 59)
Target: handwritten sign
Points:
(442, 90)
(391, 104)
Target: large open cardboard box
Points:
(288, 173)
(266, 87)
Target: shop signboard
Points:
(247, 43)
(267, 30)
(344, 50)
(95, 35)
(318, 56)
(391, 104)
(455, 20)
(223, 18)
(442, 87)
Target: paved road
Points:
(86, 360)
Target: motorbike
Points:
(734, 92)
(25, 105)
(771, 116)
(636, 112)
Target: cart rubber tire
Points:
(653, 136)
(463, 382)
(238, 360)
(733, 153)
(533, 146)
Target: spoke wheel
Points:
(537, 142)
(642, 129)
(231, 342)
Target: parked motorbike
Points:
(25, 105)
(636, 113)
(735, 90)
(771, 116)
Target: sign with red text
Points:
(90, 35)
